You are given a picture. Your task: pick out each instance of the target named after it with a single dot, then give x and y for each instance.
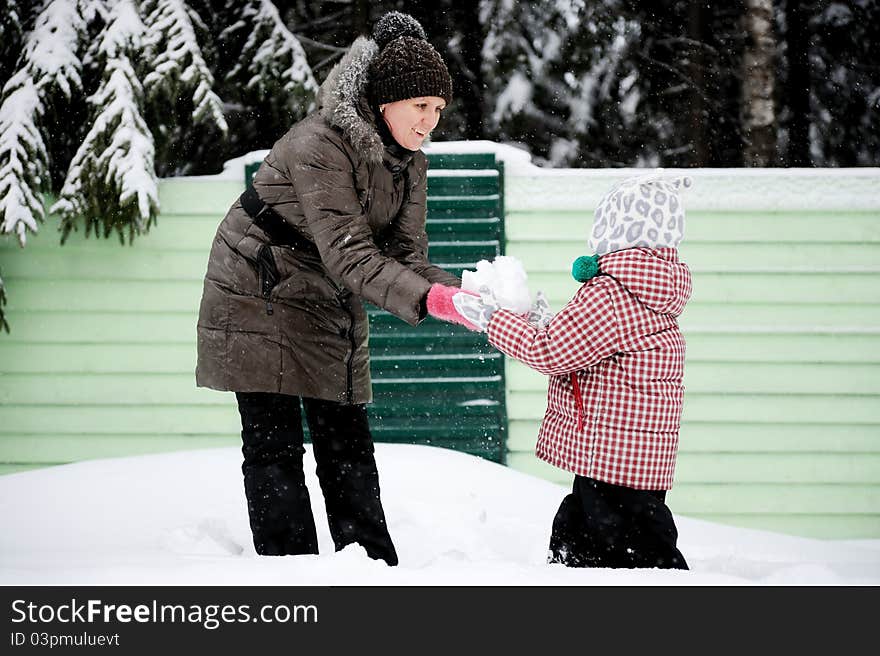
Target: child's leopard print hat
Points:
(644, 211)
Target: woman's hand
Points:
(440, 305)
(473, 311)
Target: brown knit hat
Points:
(407, 66)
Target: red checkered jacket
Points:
(615, 357)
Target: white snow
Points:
(124, 32)
(51, 50)
(514, 98)
(181, 519)
(530, 188)
(506, 278)
(233, 169)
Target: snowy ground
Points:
(180, 519)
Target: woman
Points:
(336, 215)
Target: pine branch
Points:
(94, 10)
(273, 61)
(685, 79)
(177, 65)
(111, 183)
(51, 53)
(329, 19)
(24, 162)
(317, 44)
(49, 66)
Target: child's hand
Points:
(478, 310)
(540, 314)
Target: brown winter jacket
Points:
(299, 327)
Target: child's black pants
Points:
(278, 501)
(604, 525)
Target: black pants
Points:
(604, 525)
(278, 500)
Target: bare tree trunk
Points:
(759, 116)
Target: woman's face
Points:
(411, 120)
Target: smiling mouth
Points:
(421, 134)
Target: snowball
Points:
(506, 278)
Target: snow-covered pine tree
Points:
(111, 183)
(95, 123)
(504, 53)
(261, 73)
(48, 76)
(24, 160)
(52, 50)
(516, 54)
(95, 11)
(272, 63)
(179, 84)
(602, 92)
(557, 72)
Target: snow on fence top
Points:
(713, 189)
(532, 188)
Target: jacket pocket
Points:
(267, 274)
(267, 271)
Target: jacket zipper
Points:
(266, 293)
(578, 399)
(266, 282)
(349, 374)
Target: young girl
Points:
(615, 358)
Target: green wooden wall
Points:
(781, 424)
(100, 358)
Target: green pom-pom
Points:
(585, 267)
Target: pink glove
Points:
(440, 305)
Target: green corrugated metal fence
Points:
(440, 384)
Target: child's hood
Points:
(654, 276)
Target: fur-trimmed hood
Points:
(342, 99)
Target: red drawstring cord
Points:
(576, 387)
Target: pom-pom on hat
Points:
(406, 66)
(394, 25)
(645, 211)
